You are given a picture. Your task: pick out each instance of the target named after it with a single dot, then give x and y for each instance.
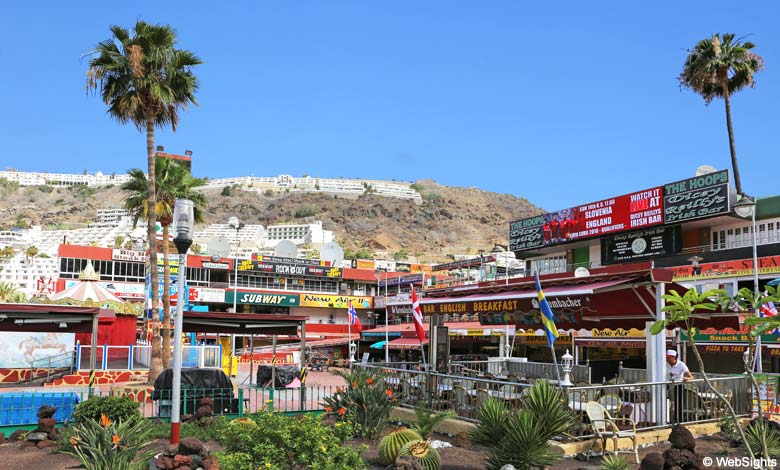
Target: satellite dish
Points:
(705, 170)
(286, 249)
(218, 247)
(581, 272)
(332, 252)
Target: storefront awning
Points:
(406, 343)
(242, 323)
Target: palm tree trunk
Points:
(166, 329)
(732, 145)
(155, 367)
(757, 393)
(714, 390)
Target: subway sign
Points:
(264, 298)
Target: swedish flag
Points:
(548, 319)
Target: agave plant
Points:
(613, 462)
(758, 432)
(104, 444)
(492, 423)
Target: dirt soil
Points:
(452, 458)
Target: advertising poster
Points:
(696, 198)
(17, 350)
(640, 244)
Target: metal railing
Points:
(519, 369)
(52, 365)
(649, 405)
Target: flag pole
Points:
(349, 338)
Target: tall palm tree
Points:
(174, 181)
(717, 67)
(145, 80)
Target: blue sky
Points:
(562, 103)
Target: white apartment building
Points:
(30, 275)
(32, 178)
(299, 234)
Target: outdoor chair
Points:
(482, 397)
(463, 403)
(611, 403)
(605, 428)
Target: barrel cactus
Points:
(423, 452)
(391, 444)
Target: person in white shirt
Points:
(678, 372)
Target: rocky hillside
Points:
(450, 219)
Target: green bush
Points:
(364, 402)
(280, 441)
(492, 417)
(426, 420)
(305, 211)
(613, 462)
(120, 409)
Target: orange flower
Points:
(328, 409)
(105, 421)
(354, 384)
(339, 389)
(74, 441)
(389, 393)
(342, 411)
(115, 439)
(369, 381)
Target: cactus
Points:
(423, 452)
(391, 444)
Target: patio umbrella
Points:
(379, 345)
(774, 282)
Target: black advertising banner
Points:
(697, 197)
(640, 244)
(618, 214)
(442, 349)
(289, 269)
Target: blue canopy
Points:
(774, 282)
(378, 345)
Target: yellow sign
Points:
(335, 301)
(364, 264)
(618, 333)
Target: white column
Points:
(656, 355)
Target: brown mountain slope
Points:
(450, 219)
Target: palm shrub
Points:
(118, 445)
(427, 421)
(758, 432)
(522, 438)
(286, 442)
(490, 429)
(364, 402)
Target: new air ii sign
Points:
(697, 198)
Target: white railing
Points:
(139, 357)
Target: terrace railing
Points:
(46, 367)
(139, 357)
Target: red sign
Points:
(628, 212)
(736, 268)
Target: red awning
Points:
(406, 343)
(614, 299)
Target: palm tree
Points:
(10, 294)
(31, 252)
(174, 181)
(145, 80)
(717, 67)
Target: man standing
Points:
(678, 373)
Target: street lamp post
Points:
(746, 207)
(183, 218)
(567, 364)
(237, 226)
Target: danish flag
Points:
(417, 314)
